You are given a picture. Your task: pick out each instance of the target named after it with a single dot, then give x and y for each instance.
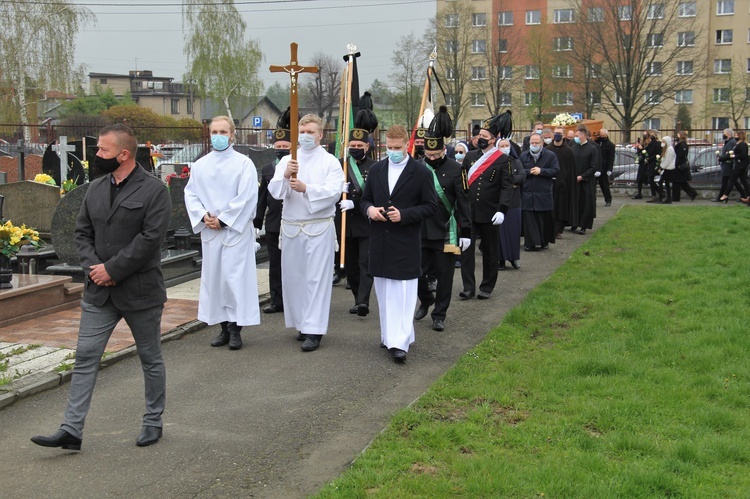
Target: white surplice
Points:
(308, 238)
(225, 184)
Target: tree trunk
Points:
(229, 110)
(22, 109)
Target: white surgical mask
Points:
(535, 149)
(396, 156)
(504, 150)
(460, 156)
(548, 140)
(306, 141)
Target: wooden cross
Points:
(62, 150)
(293, 69)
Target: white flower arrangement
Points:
(564, 119)
(658, 157)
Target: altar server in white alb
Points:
(221, 198)
(308, 235)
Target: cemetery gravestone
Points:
(31, 203)
(64, 225)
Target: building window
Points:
(747, 94)
(725, 7)
(721, 94)
(686, 39)
(533, 17)
(502, 45)
(450, 74)
(655, 40)
(450, 100)
(627, 40)
(652, 97)
(683, 97)
(563, 16)
(506, 99)
(451, 46)
(723, 36)
(562, 99)
(477, 100)
(747, 123)
(652, 124)
(479, 20)
(593, 70)
(719, 123)
(563, 43)
(618, 99)
(653, 69)
(505, 18)
(505, 72)
(175, 106)
(655, 11)
(563, 71)
(722, 66)
(625, 12)
(596, 15)
(748, 65)
(478, 73)
(530, 98)
(532, 72)
(190, 106)
(684, 67)
(594, 98)
(451, 21)
(687, 9)
(478, 47)
(102, 81)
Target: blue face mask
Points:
(535, 149)
(460, 157)
(306, 141)
(577, 140)
(219, 142)
(396, 156)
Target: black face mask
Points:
(482, 143)
(558, 137)
(357, 154)
(418, 152)
(435, 162)
(106, 165)
(280, 153)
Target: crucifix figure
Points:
(293, 69)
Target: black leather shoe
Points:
(364, 310)
(300, 336)
(516, 264)
(501, 265)
(582, 232)
(637, 196)
(312, 342)
(354, 309)
(465, 295)
(438, 325)
(399, 355)
(483, 295)
(609, 203)
(273, 308)
(235, 339)
(421, 313)
(220, 339)
(60, 438)
(149, 436)
(382, 345)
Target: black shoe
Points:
(545, 246)
(300, 336)
(608, 203)
(235, 339)
(149, 436)
(692, 198)
(60, 438)
(582, 231)
(364, 310)
(273, 308)
(399, 355)
(382, 345)
(667, 201)
(336, 279)
(465, 295)
(501, 265)
(438, 325)
(348, 286)
(637, 196)
(421, 313)
(573, 229)
(716, 200)
(457, 264)
(354, 309)
(220, 339)
(483, 295)
(516, 264)
(312, 342)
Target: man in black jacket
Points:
(608, 162)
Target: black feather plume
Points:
(441, 125)
(366, 101)
(284, 122)
(366, 120)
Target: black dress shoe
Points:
(483, 295)
(382, 345)
(438, 325)
(149, 436)
(637, 196)
(465, 295)
(60, 438)
(312, 342)
(582, 232)
(220, 339)
(609, 203)
(300, 336)
(573, 229)
(354, 309)
(364, 310)
(421, 313)
(398, 355)
(235, 339)
(273, 308)
(501, 265)
(516, 264)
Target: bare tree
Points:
(503, 52)
(539, 75)
(410, 61)
(577, 46)
(731, 95)
(323, 88)
(634, 53)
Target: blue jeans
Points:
(97, 324)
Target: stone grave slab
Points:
(30, 203)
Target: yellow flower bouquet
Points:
(43, 178)
(12, 238)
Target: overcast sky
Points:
(148, 35)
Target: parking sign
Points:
(578, 116)
(257, 121)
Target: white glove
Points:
(597, 174)
(257, 234)
(257, 246)
(498, 218)
(464, 243)
(346, 204)
(346, 188)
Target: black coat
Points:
(538, 189)
(566, 191)
(518, 177)
(126, 237)
(492, 191)
(681, 157)
(726, 162)
(740, 156)
(587, 163)
(451, 180)
(395, 248)
(653, 149)
(608, 155)
(357, 224)
(274, 206)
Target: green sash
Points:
(357, 174)
(452, 226)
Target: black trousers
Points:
(274, 268)
(603, 181)
(655, 188)
(489, 235)
(665, 183)
(682, 186)
(725, 189)
(358, 269)
(738, 179)
(641, 176)
(437, 263)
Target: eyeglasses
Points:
(433, 156)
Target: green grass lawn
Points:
(626, 374)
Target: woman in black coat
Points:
(653, 149)
(510, 229)
(739, 170)
(681, 173)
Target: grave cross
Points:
(293, 69)
(62, 149)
